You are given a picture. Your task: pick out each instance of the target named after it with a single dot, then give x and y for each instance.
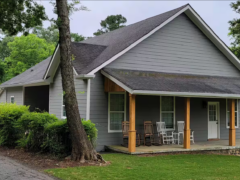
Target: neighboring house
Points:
(163, 60)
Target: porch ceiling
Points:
(144, 82)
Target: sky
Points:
(215, 13)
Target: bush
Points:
(57, 139)
(31, 125)
(91, 131)
(9, 114)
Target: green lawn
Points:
(159, 167)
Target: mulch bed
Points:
(42, 161)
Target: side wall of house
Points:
(179, 47)
(17, 92)
(3, 96)
(56, 92)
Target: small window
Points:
(12, 100)
(167, 111)
(228, 113)
(116, 111)
(63, 109)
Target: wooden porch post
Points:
(232, 130)
(187, 125)
(132, 130)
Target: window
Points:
(167, 111)
(228, 113)
(12, 99)
(116, 111)
(63, 109)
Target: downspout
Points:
(88, 99)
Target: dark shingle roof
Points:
(156, 81)
(120, 39)
(33, 74)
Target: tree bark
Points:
(82, 148)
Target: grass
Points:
(175, 167)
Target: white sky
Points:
(215, 13)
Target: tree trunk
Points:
(82, 148)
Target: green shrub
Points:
(91, 131)
(32, 127)
(57, 139)
(9, 114)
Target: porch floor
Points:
(197, 146)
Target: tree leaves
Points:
(111, 23)
(20, 15)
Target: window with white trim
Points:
(116, 111)
(63, 109)
(167, 111)
(228, 113)
(12, 99)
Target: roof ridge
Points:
(135, 23)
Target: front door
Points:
(213, 120)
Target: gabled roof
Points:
(156, 83)
(32, 75)
(95, 53)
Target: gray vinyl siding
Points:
(17, 92)
(56, 100)
(179, 47)
(99, 114)
(3, 97)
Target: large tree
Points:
(111, 23)
(82, 148)
(4, 49)
(235, 30)
(20, 15)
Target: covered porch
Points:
(193, 97)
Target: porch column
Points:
(232, 131)
(132, 130)
(187, 124)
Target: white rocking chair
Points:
(162, 133)
(180, 125)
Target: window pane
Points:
(167, 103)
(64, 111)
(168, 118)
(117, 102)
(116, 121)
(12, 99)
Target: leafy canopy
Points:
(20, 15)
(111, 23)
(26, 51)
(235, 30)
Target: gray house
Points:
(170, 67)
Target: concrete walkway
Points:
(11, 170)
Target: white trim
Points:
(23, 95)
(46, 73)
(75, 72)
(11, 99)
(88, 99)
(219, 118)
(117, 82)
(125, 114)
(138, 41)
(229, 114)
(174, 112)
(85, 76)
(185, 94)
(62, 105)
